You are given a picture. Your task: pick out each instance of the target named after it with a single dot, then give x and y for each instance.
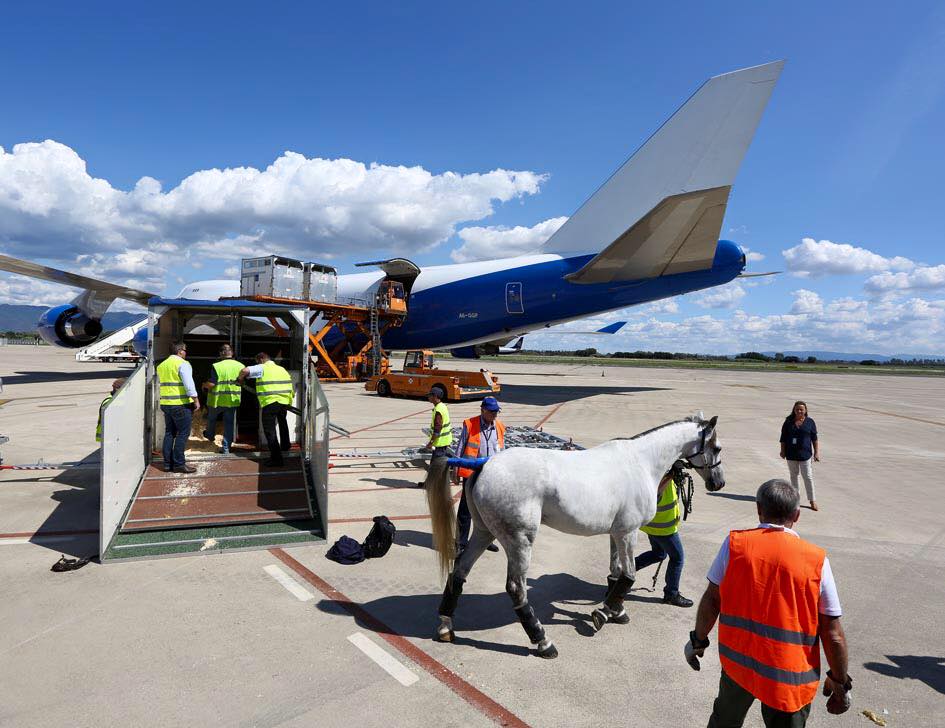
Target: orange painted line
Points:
(548, 416)
(475, 697)
(381, 424)
(30, 534)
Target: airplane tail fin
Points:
(612, 328)
(518, 344)
(692, 158)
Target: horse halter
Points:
(701, 451)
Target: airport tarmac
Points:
(290, 638)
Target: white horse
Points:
(611, 488)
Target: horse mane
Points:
(691, 418)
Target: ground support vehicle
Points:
(420, 373)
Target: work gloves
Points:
(838, 694)
(694, 649)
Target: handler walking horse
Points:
(607, 489)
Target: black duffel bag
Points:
(380, 538)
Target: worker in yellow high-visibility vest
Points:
(275, 391)
(178, 402)
(663, 532)
(116, 385)
(224, 398)
(441, 431)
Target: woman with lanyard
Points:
(799, 446)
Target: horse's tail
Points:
(441, 513)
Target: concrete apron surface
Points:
(289, 638)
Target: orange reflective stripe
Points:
(769, 619)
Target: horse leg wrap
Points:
(451, 594)
(618, 592)
(533, 628)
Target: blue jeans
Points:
(229, 424)
(660, 548)
(177, 419)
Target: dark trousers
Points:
(177, 420)
(463, 519)
(732, 706)
(272, 414)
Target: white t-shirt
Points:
(829, 599)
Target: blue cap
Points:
(491, 404)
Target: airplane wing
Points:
(661, 212)
(102, 290)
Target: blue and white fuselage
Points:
(474, 303)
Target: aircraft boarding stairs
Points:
(231, 502)
(117, 338)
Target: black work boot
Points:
(677, 600)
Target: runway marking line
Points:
(548, 416)
(475, 697)
(44, 534)
(290, 584)
(381, 424)
(893, 414)
(390, 664)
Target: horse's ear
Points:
(699, 417)
(711, 423)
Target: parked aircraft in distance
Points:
(651, 231)
(516, 346)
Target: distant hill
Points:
(846, 356)
(23, 318)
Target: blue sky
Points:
(850, 149)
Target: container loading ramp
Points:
(347, 332)
(233, 501)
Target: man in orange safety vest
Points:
(482, 437)
(775, 599)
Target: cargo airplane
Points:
(651, 231)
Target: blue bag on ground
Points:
(346, 551)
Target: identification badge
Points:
(793, 440)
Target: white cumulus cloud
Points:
(727, 296)
(922, 278)
(807, 302)
(485, 243)
(50, 207)
(819, 258)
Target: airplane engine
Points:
(68, 327)
(140, 342)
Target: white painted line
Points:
(296, 589)
(391, 665)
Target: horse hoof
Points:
(550, 652)
(447, 636)
(622, 618)
(599, 619)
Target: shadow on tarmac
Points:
(35, 377)
(415, 615)
(930, 670)
(556, 394)
(77, 509)
(406, 537)
(731, 496)
(392, 483)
